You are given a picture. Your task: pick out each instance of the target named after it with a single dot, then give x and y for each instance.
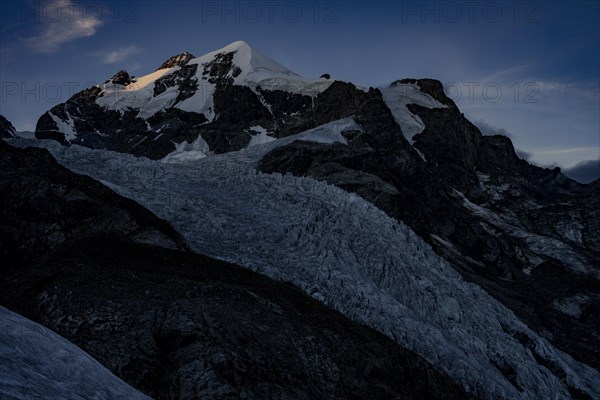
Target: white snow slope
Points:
(36, 363)
(345, 252)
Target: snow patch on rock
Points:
(65, 127)
(259, 136)
(186, 151)
(398, 96)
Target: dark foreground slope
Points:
(115, 280)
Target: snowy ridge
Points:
(255, 71)
(139, 94)
(347, 253)
(36, 363)
(398, 96)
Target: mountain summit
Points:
(234, 88)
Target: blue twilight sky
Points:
(529, 69)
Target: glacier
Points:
(36, 363)
(345, 252)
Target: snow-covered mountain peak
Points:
(186, 92)
(244, 64)
(251, 60)
(189, 83)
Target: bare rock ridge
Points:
(120, 78)
(176, 61)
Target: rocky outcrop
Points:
(61, 206)
(176, 61)
(116, 281)
(98, 127)
(513, 228)
(121, 78)
(7, 130)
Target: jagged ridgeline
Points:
(223, 100)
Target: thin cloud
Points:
(488, 129)
(566, 158)
(69, 23)
(523, 155)
(554, 86)
(507, 73)
(119, 55)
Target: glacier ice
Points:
(345, 252)
(36, 363)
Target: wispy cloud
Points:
(71, 23)
(507, 73)
(119, 55)
(488, 129)
(566, 157)
(524, 155)
(554, 86)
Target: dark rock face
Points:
(121, 78)
(97, 269)
(238, 106)
(98, 127)
(183, 79)
(512, 258)
(221, 70)
(380, 154)
(61, 206)
(7, 130)
(291, 113)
